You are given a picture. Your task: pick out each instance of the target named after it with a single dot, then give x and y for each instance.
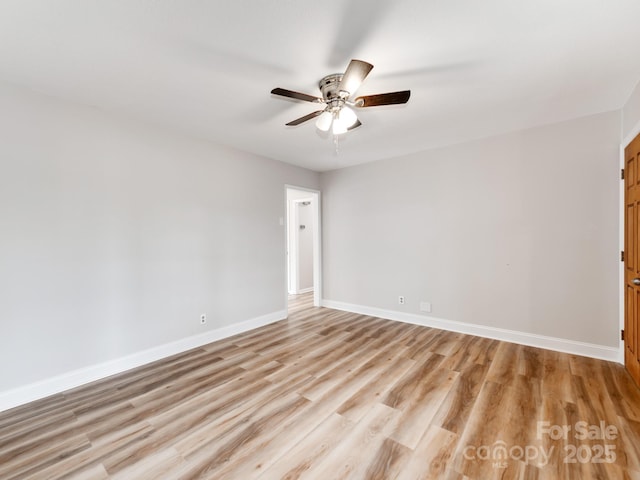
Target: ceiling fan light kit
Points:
(337, 90)
(339, 121)
(324, 121)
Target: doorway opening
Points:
(303, 245)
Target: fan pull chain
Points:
(336, 149)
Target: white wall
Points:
(115, 236)
(517, 232)
(631, 113)
(305, 246)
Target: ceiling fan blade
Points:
(392, 98)
(283, 92)
(300, 120)
(355, 74)
(354, 126)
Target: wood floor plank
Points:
(373, 391)
(556, 378)
(418, 406)
(629, 431)
(456, 408)
(331, 394)
(502, 367)
(25, 430)
(487, 425)
(469, 351)
(209, 456)
(359, 362)
(318, 362)
(109, 445)
(388, 462)
(356, 452)
(235, 416)
(320, 410)
(25, 415)
(94, 472)
(312, 450)
(154, 465)
(622, 391)
(530, 362)
(432, 456)
(43, 456)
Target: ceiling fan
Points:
(337, 90)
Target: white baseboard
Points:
(541, 341)
(76, 378)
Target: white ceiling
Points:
(475, 68)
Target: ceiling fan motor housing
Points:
(329, 88)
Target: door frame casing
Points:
(317, 243)
(621, 235)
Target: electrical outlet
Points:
(425, 307)
(203, 319)
(401, 300)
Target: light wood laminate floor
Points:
(329, 394)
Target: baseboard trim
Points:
(51, 386)
(601, 352)
(305, 290)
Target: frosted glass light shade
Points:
(348, 117)
(324, 121)
(344, 119)
(338, 127)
